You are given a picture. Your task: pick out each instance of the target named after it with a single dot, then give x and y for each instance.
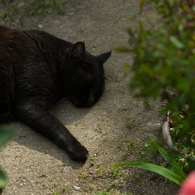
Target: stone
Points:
(76, 188)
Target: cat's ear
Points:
(103, 57)
(78, 51)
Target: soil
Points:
(114, 130)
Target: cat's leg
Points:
(45, 123)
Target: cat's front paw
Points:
(77, 152)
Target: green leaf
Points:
(3, 179)
(191, 164)
(178, 170)
(176, 42)
(167, 3)
(141, 26)
(5, 135)
(189, 144)
(156, 169)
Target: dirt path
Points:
(113, 130)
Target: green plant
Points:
(65, 187)
(100, 171)
(121, 141)
(148, 149)
(129, 122)
(62, 163)
(135, 176)
(164, 60)
(144, 151)
(31, 8)
(5, 15)
(94, 160)
(104, 192)
(55, 193)
(116, 172)
(83, 174)
(93, 186)
(43, 174)
(176, 175)
(163, 67)
(5, 135)
(58, 7)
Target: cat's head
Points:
(85, 75)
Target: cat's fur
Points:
(37, 70)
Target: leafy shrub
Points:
(164, 67)
(177, 175)
(164, 62)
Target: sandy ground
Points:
(35, 166)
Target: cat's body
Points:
(37, 70)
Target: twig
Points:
(167, 136)
(166, 133)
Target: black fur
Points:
(37, 70)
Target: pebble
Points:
(111, 102)
(68, 168)
(56, 183)
(76, 188)
(135, 102)
(40, 25)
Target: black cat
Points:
(37, 70)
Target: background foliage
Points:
(164, 67)
(20, 9)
